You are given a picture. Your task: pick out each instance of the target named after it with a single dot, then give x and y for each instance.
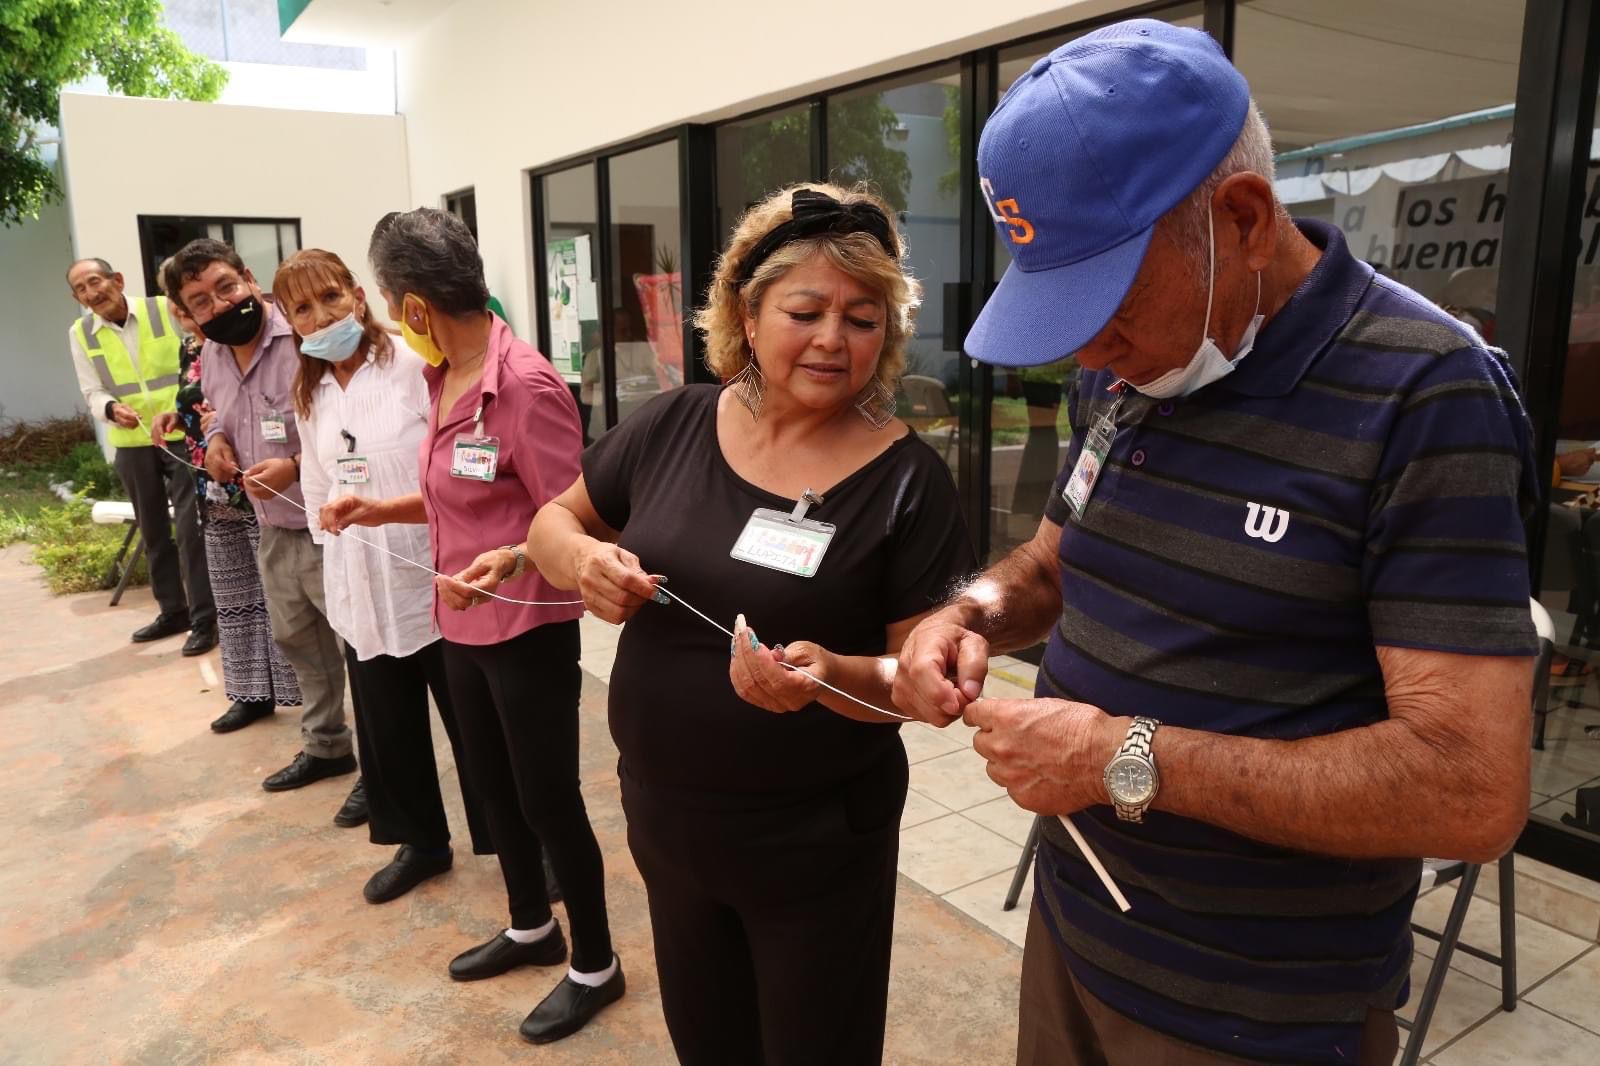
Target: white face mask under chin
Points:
(1208, 363)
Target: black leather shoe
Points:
(241, 714)
(552, 887)
(166, 625)
(500, 953)
(408, 869)
(308, 768)
(201, 640)
(354, 810)
(568, 1008)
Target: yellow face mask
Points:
(421, 343)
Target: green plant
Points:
(48, 44)
(86, 467)
(74, 552)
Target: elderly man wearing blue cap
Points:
(1282, 575)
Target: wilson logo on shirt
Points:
(1266, 523)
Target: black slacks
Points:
(516, 703)
(151, 478)
(395, 739)
(773, 925)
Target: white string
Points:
(789, 666)
(373, 544)
(1072, 830)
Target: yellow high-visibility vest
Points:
(150, 395)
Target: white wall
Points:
(336, 173)
(36, 379)
(492, 87)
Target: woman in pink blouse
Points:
(503, 438)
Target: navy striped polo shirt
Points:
(1358, 480)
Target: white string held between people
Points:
(1072, 830)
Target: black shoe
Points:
(167, 625)
(354, 810)
(552, 887)
(568, 1008)
(406, 871)
(201, 640)
(241, 714)
(308, 768)
(500, 953)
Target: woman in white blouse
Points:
(363, 410)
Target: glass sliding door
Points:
(902, 139)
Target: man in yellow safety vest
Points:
(126, 355)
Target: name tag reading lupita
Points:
(791, 543)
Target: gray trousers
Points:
(151, 478)
(291, 576)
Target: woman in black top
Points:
(767, 841)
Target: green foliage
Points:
(86, 467)
(76, 554)
(777, 152)
(46, 45)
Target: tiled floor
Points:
(960, 838)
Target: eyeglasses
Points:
(227, 291)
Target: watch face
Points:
(1130, 780)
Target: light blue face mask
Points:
(334, 343)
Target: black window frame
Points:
(147, 224)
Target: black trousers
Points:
(151, 478)
(517, 707)
(395, 738)
(773, 925)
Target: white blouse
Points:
(378, 604)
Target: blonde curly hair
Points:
(859, 255)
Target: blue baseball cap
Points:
(1085, 153)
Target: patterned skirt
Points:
(253, 669)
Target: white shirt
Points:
(94, 393)
(378, 604)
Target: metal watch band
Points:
(521, 564)
(1137, 742)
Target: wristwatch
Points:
(1131, 776)
(521, 565)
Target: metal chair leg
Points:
(1508, 933)
(1023, 863)
(129, 566)
(1441, 966)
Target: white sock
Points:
(594, 980)
(528, 936)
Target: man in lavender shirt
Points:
(248, 364)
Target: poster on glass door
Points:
(572, 303)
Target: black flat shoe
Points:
(568, 1008)
(201, 640)
(167, 625)
(308, 768)
(500, 953)
(241, 714)
(354, 810)
(409, 869)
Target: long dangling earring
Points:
(749, 387)
(876, 403)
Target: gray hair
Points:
(1251, 154)
(430, 253)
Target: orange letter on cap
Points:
(1021, 229)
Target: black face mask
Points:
(237, 326)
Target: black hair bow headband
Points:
(816, 213)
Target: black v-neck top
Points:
(899, 548)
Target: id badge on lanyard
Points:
(1091, 461)
(475, 456)
(791, 543)
(274, 427)
(352, 469)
